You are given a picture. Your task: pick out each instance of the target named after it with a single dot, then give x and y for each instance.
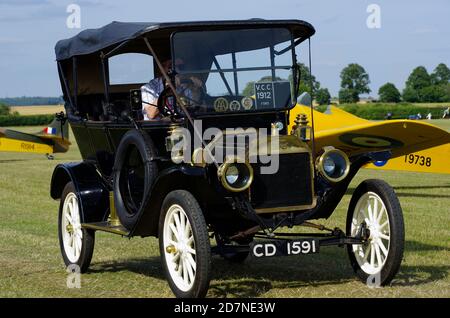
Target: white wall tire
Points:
(375, 203)
(184, 245)
(76, 243)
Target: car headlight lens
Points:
(235, 176)
(232, 174)
(333, 164)
(329, 166)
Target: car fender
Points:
(92, 192)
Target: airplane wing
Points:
(403, 138)
(52, 139)
(435, 160)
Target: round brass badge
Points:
(235, 106)
(221, 105)
(247, 103)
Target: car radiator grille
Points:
(291, 186)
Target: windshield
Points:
(234, 70)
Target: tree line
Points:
(419, 87)
(31, 101)
(9, 118)
(4, 110)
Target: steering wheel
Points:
(194, 93)
(166, 102)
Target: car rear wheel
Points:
(184, 245)
(76, 243)
(375, 205)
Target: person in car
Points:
(152, 90)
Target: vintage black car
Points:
(218, 162)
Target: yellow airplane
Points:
(52, 139)
(415, 145)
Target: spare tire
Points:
(134, 174)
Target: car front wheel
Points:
(184, 245)
(375, 206)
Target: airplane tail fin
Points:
(58, 128)
(58, 131)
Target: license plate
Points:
(284, 247)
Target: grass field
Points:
(31, 265)
(431, 105)
(428, 105)
(37, 110)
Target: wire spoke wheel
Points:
(71, 227)
(184, 245)
(372, 255)
(179, 249)
(375, 205)
(76, 243)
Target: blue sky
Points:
(412, 33)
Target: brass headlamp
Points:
(235, 175)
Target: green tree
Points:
(434, 94)
(389, 93)
(446, 96)
(347, 96)
(354, 81)
(440, 75)
(249, 89)
(419, 87)
(305, 81)
(410, 95)
(4, 110)
(418, 79)
(323, 96)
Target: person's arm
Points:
(151, 111)
(149, 103)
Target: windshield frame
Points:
(234, 70)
